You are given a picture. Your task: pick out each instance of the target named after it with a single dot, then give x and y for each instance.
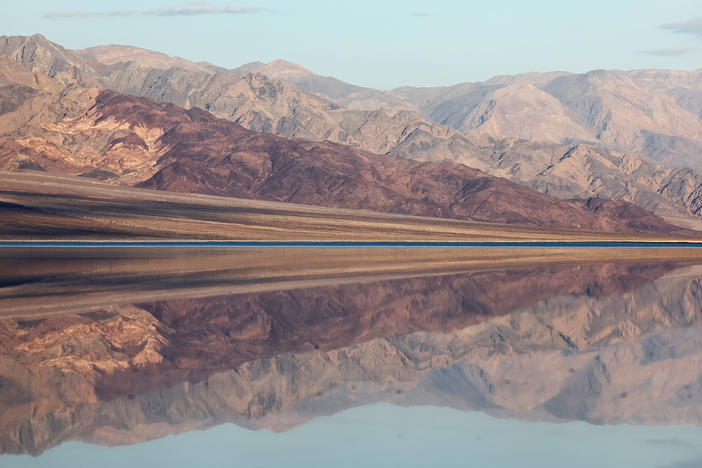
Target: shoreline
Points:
(352, 244)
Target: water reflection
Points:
(192, 340)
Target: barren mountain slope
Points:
(568, 170)
(134, 140)
(209, 155)
(524, 111)
(48, 58)
(345, 94)
(262, 104)
(683, 86)
(655, 113)
(113, 54)
(629, 116)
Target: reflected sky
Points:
(400, 437)
(349, 356)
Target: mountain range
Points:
(618, 135)
(55, 123)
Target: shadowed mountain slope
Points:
(213, 156)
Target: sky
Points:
(394, 436)
(384, 44)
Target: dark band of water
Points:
(338, 244)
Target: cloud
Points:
(691, 26)
(669, 442)
(669, 52)
(686, 464)
(189, 9)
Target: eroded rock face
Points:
(474, 341)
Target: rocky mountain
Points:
(525, 112)
(683, 86)
(346, 95)
(568, 342)
(568, 171)
(133, 140)
(273, 107)
(114, 54)
(262, 104)
(638, 111)
(24, 96)
(647, 112)
(622, 111)
(651, 112)
(42, 56)
(629, 116)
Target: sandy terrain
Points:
(38, 206)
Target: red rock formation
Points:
(218, 157)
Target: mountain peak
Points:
(40, 55)
(280, 63)
(37, 38)
(115, 53)
(11, 43)
(277, 69)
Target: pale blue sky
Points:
(385, 44)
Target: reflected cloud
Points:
(670, 442)
(686, 464)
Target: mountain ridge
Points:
(274, 107)
(271, 108)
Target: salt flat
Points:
(39, 206)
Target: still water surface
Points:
(132, 244)
(343, 357)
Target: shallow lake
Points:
(328, 356)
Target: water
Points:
(331, 356)
(402, 437)
(131, 244)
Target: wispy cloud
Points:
(669, 442)
(667, 52)
(686, 464)
(189, 9)
(691, 26)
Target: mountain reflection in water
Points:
(191, 342)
